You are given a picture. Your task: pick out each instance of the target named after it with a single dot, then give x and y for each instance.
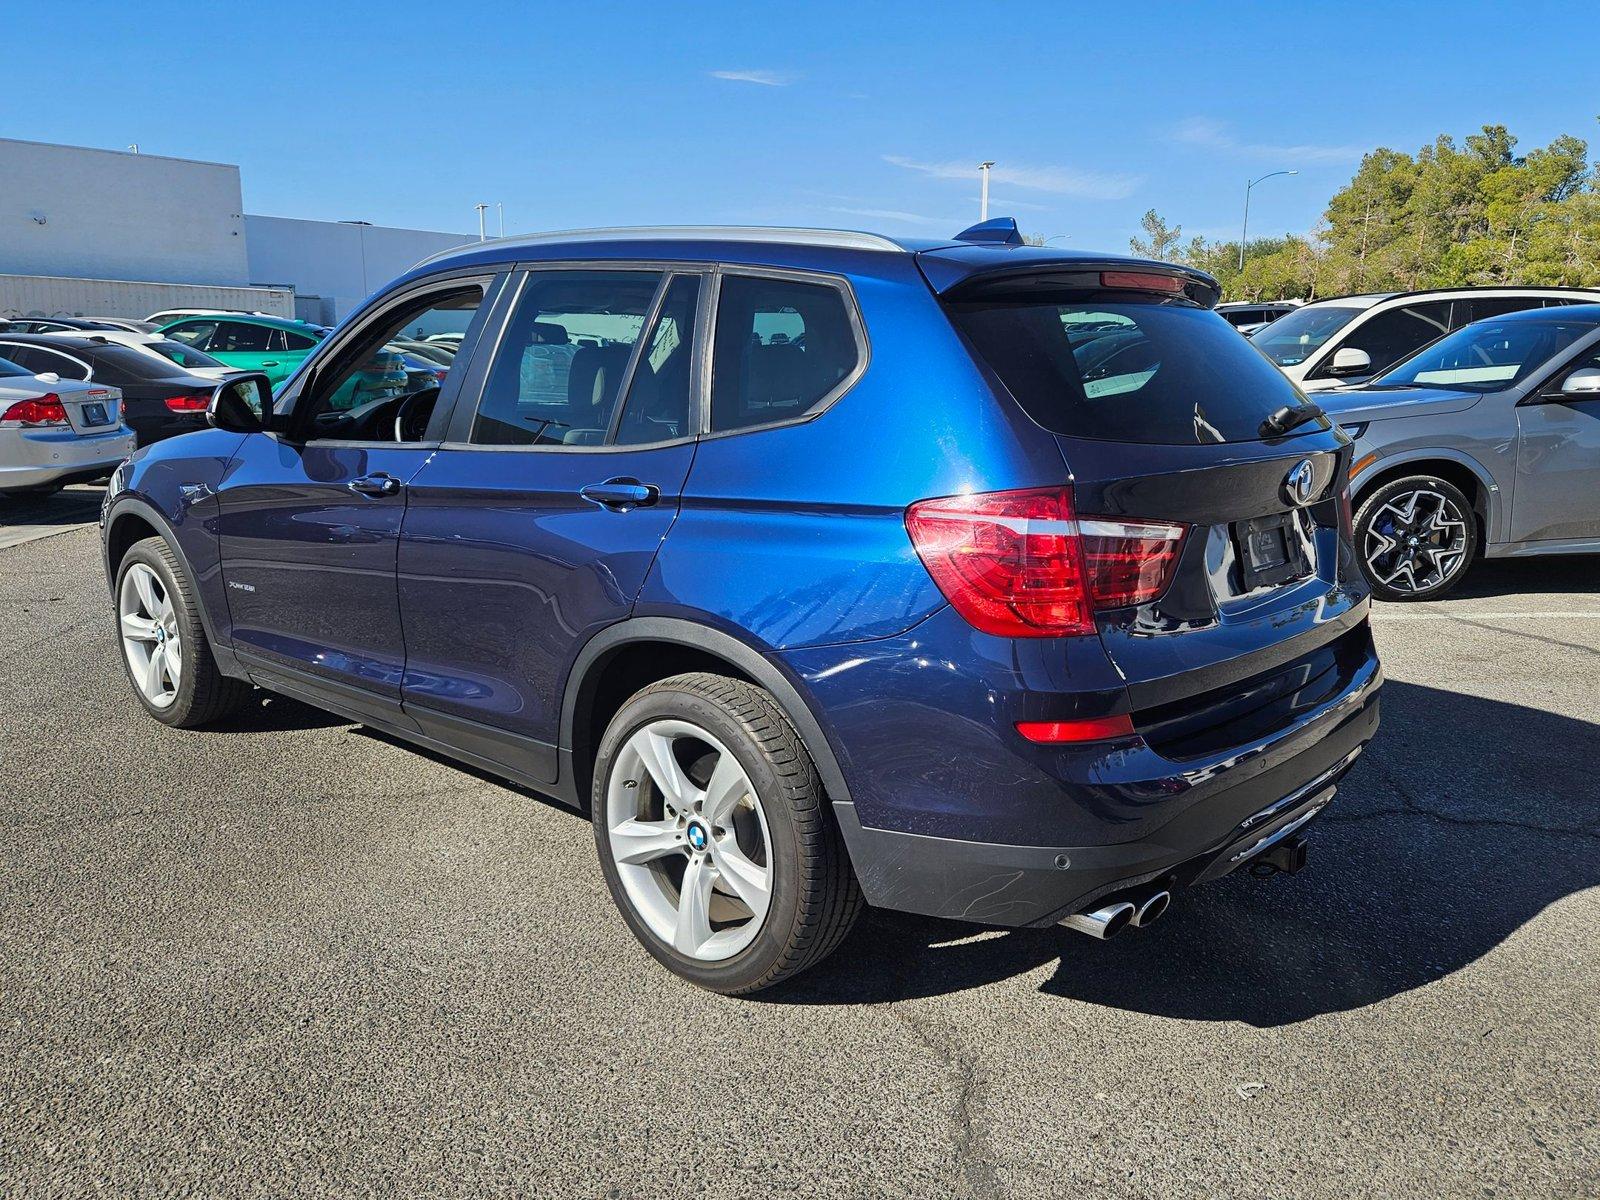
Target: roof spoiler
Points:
(1002, 231)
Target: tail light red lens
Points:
(1023, 564)
(41, 410)
(1090, 729)
(198, 402)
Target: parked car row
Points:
(161, 371)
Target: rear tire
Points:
(1415, 538)
(741, 823)
(163, 642)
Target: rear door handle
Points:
(377, 484)
(273, 363)
(621, 494)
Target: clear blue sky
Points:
(858, 115)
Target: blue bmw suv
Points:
(966, 578)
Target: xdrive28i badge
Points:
(1301, 483)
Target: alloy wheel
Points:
(690, 841)
(150, 639)
(1416, 541)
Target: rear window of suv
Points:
(1126, 370)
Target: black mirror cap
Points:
(241, 403)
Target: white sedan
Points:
(57, 431)
(169, 350)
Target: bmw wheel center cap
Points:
(697, 836)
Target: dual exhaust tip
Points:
(1107, 922)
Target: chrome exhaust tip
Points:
(1102, 923)
(1151, 910)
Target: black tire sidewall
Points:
(755, 961)
(190, 632)
(1381, 496)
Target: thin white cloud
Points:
(764, 78)
(1086, 185)
(1217, 135)
(893, 214)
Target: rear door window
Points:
(782, 347)
(1126, 370)
(1481, 308)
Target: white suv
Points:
(1350, 339)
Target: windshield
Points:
(184, 356)
(1296, 336)
(7, 367)
(1126, 369)
(1486, 356)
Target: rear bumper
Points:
(1221, 815)
(38, 457)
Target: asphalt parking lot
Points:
(290, 957)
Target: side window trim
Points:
(858, 328)
(46, 353)
(459, 434)
(328, 350)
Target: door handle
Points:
(376, 484)
(621, 494)
(273, 363)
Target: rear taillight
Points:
(41, 410)
(1024, 564)
(197, 402)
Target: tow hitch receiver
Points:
(1287, 857)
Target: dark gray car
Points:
(1485, 442)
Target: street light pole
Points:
(1244, 233)
(482, 208)
(983, 202)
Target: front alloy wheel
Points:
(150, 637)
(1415, 537)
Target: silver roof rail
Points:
(840, 239)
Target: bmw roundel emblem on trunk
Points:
(1301, 482)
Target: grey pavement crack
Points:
(971, 1147)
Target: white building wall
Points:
(104, 214)
(340, 262)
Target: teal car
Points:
(275, 346)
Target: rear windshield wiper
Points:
(1287, 417)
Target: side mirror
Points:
(1582, 384)
(241, 403)
(1350, 361)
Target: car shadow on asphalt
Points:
(268, 712)
(1465, 820)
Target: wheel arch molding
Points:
(584, 680)
(1485, 494)
(126, 515)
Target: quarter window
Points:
(558, 372)
(781, 347)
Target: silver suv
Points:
(1485, 442)
(1352, 339)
